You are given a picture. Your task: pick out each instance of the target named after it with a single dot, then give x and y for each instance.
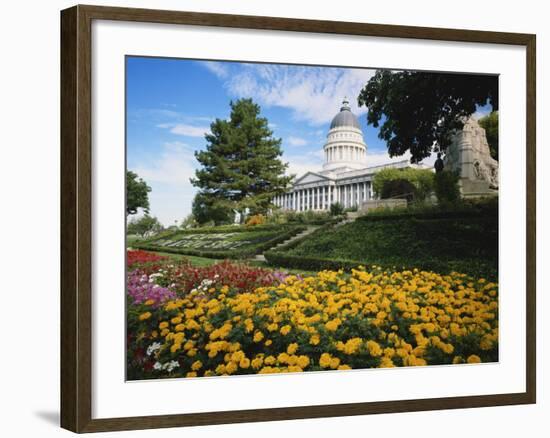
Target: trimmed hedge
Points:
(227, 254)
(306, 263)
(485, 208)
(434, 240)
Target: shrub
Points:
(399, 188)
(336, 209)
(257, 219)
(446, 188)
(422, 179)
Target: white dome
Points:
(345, 146)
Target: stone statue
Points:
(470, 156)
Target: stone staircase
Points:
(308, 230)
(350, 217)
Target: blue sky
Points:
(171, 103)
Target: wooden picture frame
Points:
(76, 217)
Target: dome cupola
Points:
(345, 117)
(345, 147)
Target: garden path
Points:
(310, 229)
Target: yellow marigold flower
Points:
(374, 348)
(324, 360)
(149, 302)
(257, 363)
(208, 373)
(163, 325)
(231, 367)
(154, 334)
(191, 374)
(334, 363)
(175, 347)
(176, 320)
(268, 342)
(244, 363)
(248, 325)
(179, 327)
(486, 343)
(145, 316)
(270, 360)
(302, 361)
(344, 367)
(283, 358)
(272, 327)
(197, 365)
(473, 359)
(192, 325)
(292, 348)
(333, 324)
(458, 359)
(314, 340)
(386, 362)
(258, 336)
(165, 332)
(220, 369)
(285, 330)
(237, 356)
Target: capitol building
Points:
(345, 177)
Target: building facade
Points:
(345, 177)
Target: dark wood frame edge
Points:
(76, 168)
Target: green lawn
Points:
(465, 244)
(195, 261)
(203, 261)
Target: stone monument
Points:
(470, 156)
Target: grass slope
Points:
(465, 244)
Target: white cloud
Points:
(300, 164)
(168, 175)
(219, 69)
(314, 94)
(185, 129)
(296, 141)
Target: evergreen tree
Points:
(241, 166)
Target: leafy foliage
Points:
(336, 209)
(398, 188)
(144, 225)
(421, 179)
(207, 209)
(241, 166)
(490, 124)
(418, 111)
(137, 193)
(446, 188)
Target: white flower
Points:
(152, 348)
(157, 366)
(169, 366)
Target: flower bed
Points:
(332, 321)
(235, 245)
(140, 257)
